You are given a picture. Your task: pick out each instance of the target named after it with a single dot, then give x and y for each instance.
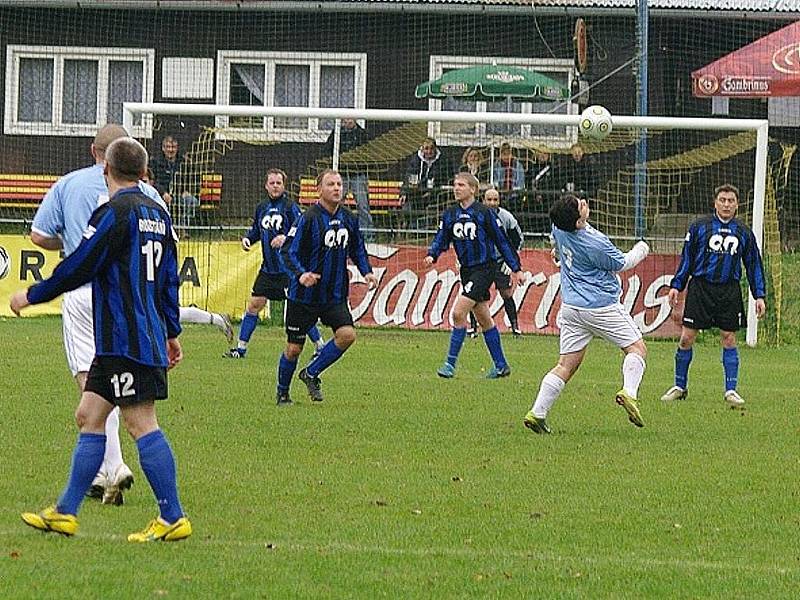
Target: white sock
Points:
(632, 372)
(549, 391)
(113, 456)
(192, 314)
(216, 319)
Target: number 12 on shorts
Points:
(123, 384)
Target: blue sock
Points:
(313, 334)
(492, 340)
(329, 354)
(158, 464)
(730, 362)
(86, 460)
(457, 336)
(286, 369)
(683, 359)
(247, 327)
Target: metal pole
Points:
(337, 135)
(759, 194)
(640, 180)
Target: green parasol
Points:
(493, 83)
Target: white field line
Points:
(472, 553)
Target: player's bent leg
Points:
(550, 389)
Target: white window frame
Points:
(438, 63)
(315, 61)
(58, 54)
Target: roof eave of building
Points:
(392, 7)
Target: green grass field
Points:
(403, 485)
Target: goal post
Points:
(666, 177)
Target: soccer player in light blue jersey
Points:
(590, 307)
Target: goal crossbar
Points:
(758, 126)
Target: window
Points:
(72, 91)
(467, 134)
(288, 79)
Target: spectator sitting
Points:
(427, 168)
(472, 162)
(354, 177)
(509, 174)
(166, 168)
(578, 173)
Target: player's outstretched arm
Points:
(635, 255)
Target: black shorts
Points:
(714, 305)
(477, 280)
(270, 286)
(124, 382)
(501, 280)
(301, 317)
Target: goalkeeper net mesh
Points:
(58, 91)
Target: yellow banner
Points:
(216, 276)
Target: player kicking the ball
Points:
(590, 307)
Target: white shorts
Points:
(78, 325)
(580, 325)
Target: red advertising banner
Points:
(770, 66)
(414, 296)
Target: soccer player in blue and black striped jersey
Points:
(315, 256)
(711, 264)
(273, 218)
(128, 253)
(474, 230)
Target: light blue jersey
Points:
(589, 263)
(68, 205)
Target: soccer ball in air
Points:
(595, 122)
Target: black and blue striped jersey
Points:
(321, 242)
(714, 251)
(128, 253)
(273, 217)
(475, 232)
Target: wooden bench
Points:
(383, 195)
(24, 191)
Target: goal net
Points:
(400, 165)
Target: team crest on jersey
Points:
(89, 232)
